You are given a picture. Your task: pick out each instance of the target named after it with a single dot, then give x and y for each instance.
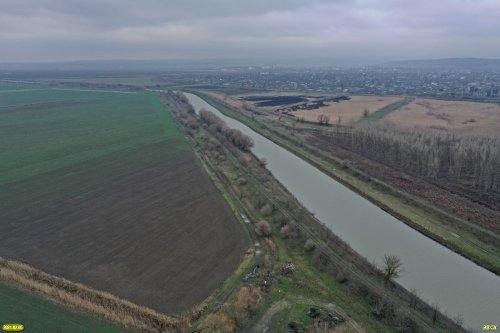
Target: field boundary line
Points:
(386, 110)
(97, 90)
(103, 304)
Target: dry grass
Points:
(100, 303)
(473, 117)
(349, 111)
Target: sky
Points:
(67, 30)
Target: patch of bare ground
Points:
(161, 238)
(470, 117)
(443, 195)
(348, 111)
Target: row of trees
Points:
(323, 119)
(216, 124)
(472, 161)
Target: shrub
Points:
(218, 322)
(263, 228)
(248, 299)
(285, 231)
(342, 276)
(266, 210)
(309, 245)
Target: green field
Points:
(10, 86)
(39, 315)
(59, 143)
(379, 114)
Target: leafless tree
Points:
(263, 228)
(309, 245)
(435, 313)
(235, 136)
(392, 267)
(323, 119)
(469, 161)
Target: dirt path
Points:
(263, 324)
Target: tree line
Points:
(216, 124)
(469, 160)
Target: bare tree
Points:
(266, 210)
(413, 298)
(469, 161)
(263, 228)
(323, 119)
(392, 267)
(435, 312)
(309, 245)
(235, 136)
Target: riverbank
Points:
(416, 213)
(327, 272)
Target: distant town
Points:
(454, 84)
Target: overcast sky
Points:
(55, 30)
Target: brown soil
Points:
(443, 195)
(161, 238)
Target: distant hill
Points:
(114, 65)
(448, 63)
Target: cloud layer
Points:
(46, 30)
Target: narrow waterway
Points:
(439, 275)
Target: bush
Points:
(309, 245)
(266, 210)
(285, 231)
(320, 258)
(192, 123)
(342, 276)
(242, 181)
(237, 315)
(218, 322)
(216, 124)
(248, 299)
(263, 228)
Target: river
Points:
(440, 276)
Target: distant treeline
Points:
(472, 161)
(216, 124)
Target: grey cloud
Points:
(68, 29)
